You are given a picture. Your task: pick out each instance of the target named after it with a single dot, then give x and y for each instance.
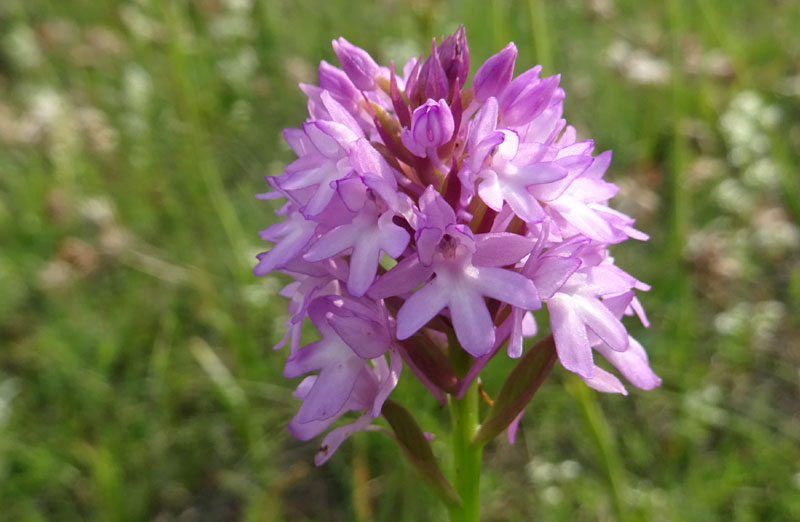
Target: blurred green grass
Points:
(136, 376)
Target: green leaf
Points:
(417, 449)
(518, 390)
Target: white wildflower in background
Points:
(746, 126)
(637, 65)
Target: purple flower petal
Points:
(569, 332)
(404, 277)
(602, 322)
(334, 439)
(471, 320)
(363, 265)
(367, 339)
(495, 73)
(508, 287)
(605, 382)
(552, 272)
(632, 364)
(357, 64)
(500, 249)
(421, 307)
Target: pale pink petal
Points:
(421, 307)
(309, 430)
(334, 439)
(529, 327)
(330, 391)
(608, 279)
(304, 387)
(632, 364)
(471, 320)
(366, 338)
(363, 265)
(408, 140)
(322, 141)
(605, 382)
(484, 123)
(297, 140)
(319, 200)
(569, 333)
(500, 249)
(309, 358)
(394, 239)
(539, 173)
(334, 241)
(404, 277)
(480, 151)
(524, 204)
(339, 114)
(490, 191)
(388, 382)
(438, 213)
(514, 348)
(585, 220)
(307, 171)
(286, 249)
(514, 427)
(366, 160)
(508, 286)
(619, 304)
(353, 193)
(552, 272)
(599, 166)
(637, 307)
(329, 137)
(602, 322)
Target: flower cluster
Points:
(421, 209)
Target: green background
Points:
(137, 380)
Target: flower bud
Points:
(520, 104)
(357, 64)
(454, 57)
(493, 76)
(431, 81)
(432, 126)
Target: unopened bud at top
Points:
(495, 74)
(432, 126)
(454, 57)
(431, 81)
(357, 64)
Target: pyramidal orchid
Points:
(427, 221)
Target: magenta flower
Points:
(422, 209)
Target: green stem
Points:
(603, 437)
(466, 456)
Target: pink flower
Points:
(412, 219)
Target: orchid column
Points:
(425, 222)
